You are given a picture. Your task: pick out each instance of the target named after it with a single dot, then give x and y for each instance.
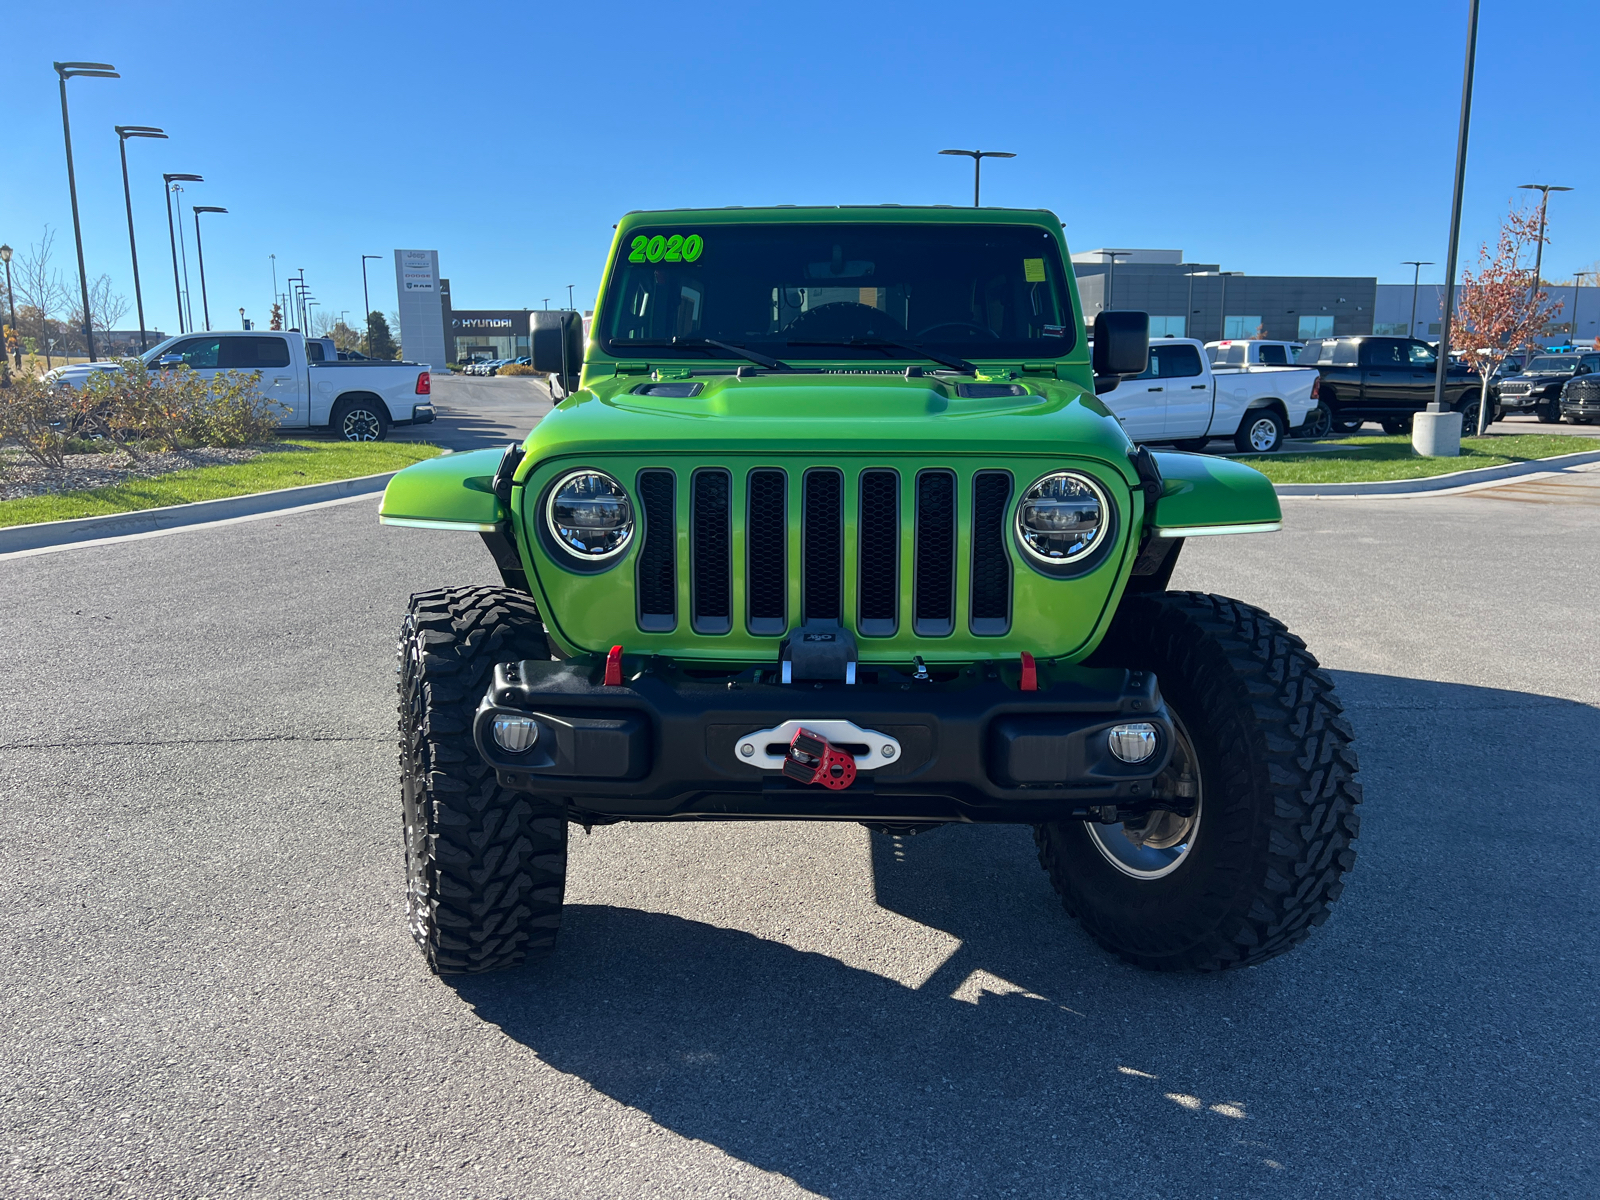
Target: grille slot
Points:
(991, 566)
(822, 546)
(933, 614)
(710, 542)
(878, 581)
(658, 559)
(767, 553)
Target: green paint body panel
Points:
(1204, 491)
(452, 488)
(863, 414)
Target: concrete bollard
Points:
(1436, 434)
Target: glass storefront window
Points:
(1240, 327)
(1320, 325)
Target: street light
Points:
(547, 304)
(66, 71)
(177, 285)
(977, 157)
(5, 257)
(1577, 290)
(365, 298)
(1110, 269)
(199, 250)
(1411, 329)
(1544, 190)
(124, 132)
(569, 295)
(1443, 364)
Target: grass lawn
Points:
(299, 463)
(1365, 458)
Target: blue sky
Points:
(1272, 138)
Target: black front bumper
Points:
(973, 746)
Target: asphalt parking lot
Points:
(474, 412)
(206, 986)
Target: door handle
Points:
(1154, 389)
(1197, 387)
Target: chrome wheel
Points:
(361, 425)
(1158, 845)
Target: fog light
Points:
(1133, 743)
(516, 734)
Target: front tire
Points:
(1261, 432)
(1548, 414)
(485, 865)
(1275, 819)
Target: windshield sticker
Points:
(1033, 270)
(667, 248)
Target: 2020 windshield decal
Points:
(670, 248)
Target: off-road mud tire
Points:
(1278, 794)
(485, 865)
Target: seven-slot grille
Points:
(904, 540)
(1513, 389)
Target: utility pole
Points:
(1411, 329)
(64, 72)
(977, 157)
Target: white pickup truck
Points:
(358, 399)
(1181, 399)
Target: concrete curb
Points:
(1456, 480)
(176, 516)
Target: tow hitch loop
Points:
(812, 760)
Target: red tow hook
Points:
(1030, 674)
(812, 760)
(614, 667)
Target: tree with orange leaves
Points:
(1498, 307)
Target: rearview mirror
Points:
(556, 346)
(1121, 347)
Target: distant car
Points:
(1385, 379)
(1540, 387)
(75, 375)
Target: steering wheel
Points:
(844, 319)
(980, 330)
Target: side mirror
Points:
(170, 360)
(1121, 347)
(555, 346)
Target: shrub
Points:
(38, 416)
(517, 369)
(169, 409)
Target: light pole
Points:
(1577, 290)
(569, 295)
(977, 157)
(5, 257)
(124, 132)
(1443, 363)
(183, 252)
(177, 285)
(366, 299)
(1411, 329)
(66, 71)
(300, 295)
(547, 304)
(1544, 190)
(1111, 268)
(200, 254)
(274, 259)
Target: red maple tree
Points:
(1498, 307)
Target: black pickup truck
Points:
(1538, 388)
(1384, 379)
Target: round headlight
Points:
(590, 515)
(1062, 517)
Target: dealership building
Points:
(471, 333)
(1201, 300)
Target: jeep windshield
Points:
(1552, 364)
(839, 291)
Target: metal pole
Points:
(1443, 364)
(77, 227)
(1538, 262)
(1411, 330)
(12, 299)
(183, 250)
(367, 300)
(977, 172)
(1188, 311)
(200, 255)
(133, 247)
(274, 259)
(177, 287)
(1222, 317)
(1577, 286)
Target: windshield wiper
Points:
(705, 343)
(884, 343)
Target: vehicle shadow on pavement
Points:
(1421, 1042)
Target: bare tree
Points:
(39, 287)
(105, 306)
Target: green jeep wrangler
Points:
(831, 526)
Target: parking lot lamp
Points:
(977, 157)
(64, 72)
(1443, 363)
(1111, 267)
(200, 255)
(5, 257)
(172, 189)
(1411, 329)
(124, 132)
(1544, 190)
(366, 300)
(1577, 290)
(569, 295)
